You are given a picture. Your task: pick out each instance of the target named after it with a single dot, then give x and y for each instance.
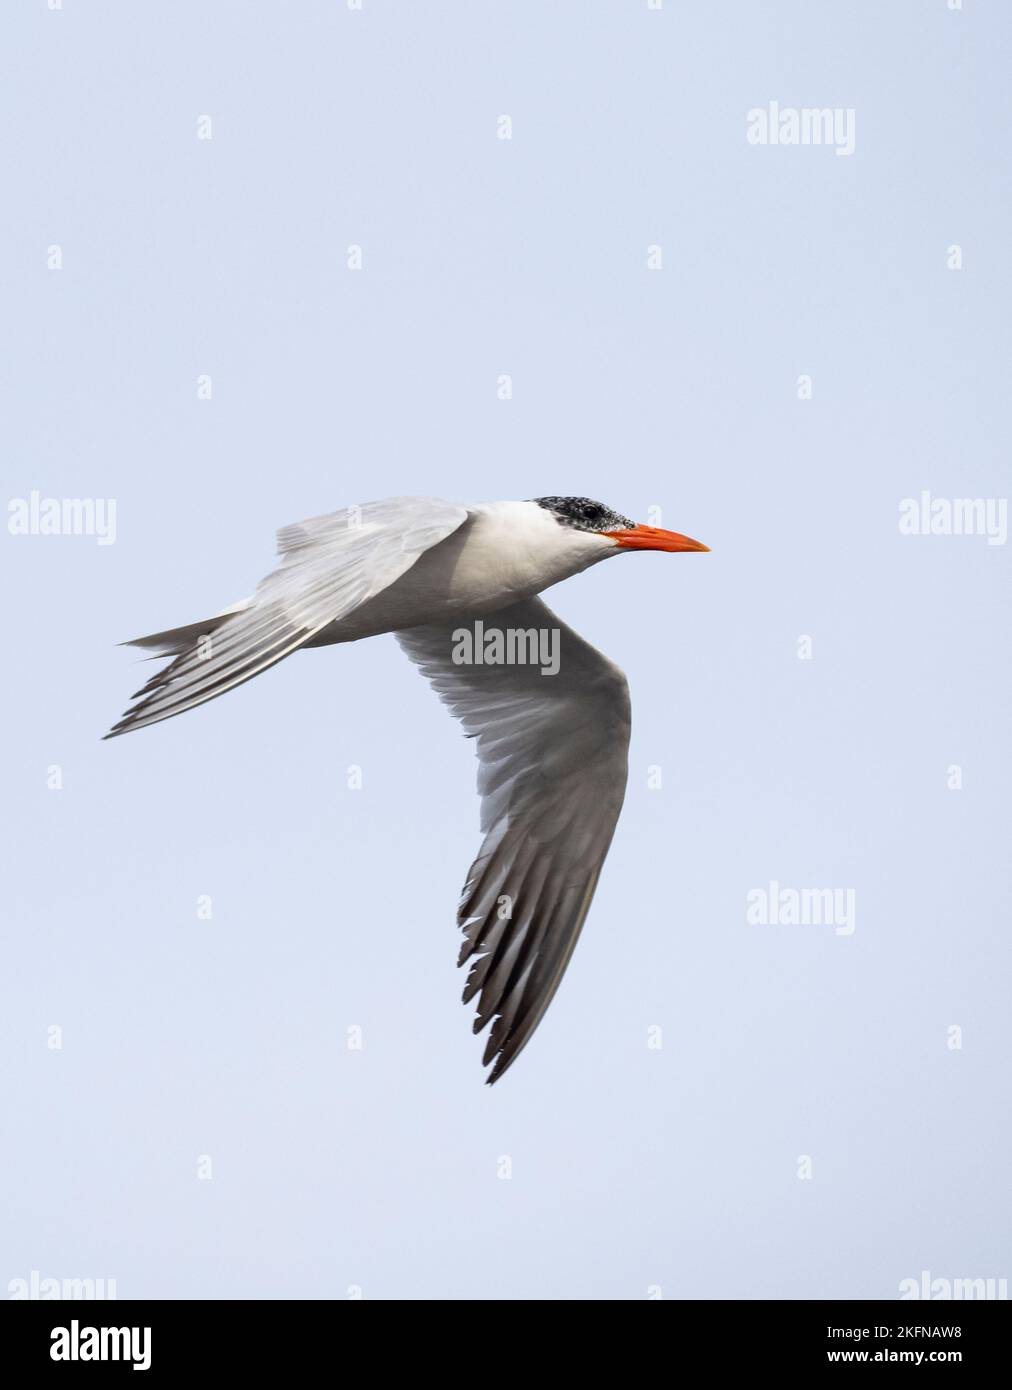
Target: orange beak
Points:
(653, 538)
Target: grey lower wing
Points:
(553, 755)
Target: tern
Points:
(552, 744)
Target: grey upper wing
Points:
(329, 566)
(553, 753)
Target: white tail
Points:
(176, 640)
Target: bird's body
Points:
(501, 553)
(552, 746)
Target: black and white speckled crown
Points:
(584, 513)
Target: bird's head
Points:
(584, 514)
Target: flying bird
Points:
(552, 745)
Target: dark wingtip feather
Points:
(502, 1065)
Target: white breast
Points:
(507, 551)
(512, 550)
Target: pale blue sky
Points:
(632, 1168)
